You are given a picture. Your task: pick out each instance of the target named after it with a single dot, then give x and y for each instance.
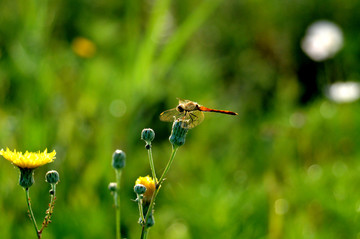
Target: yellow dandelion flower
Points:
(28, 160)
(149, 183)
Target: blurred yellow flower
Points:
(28, 160)
(149, 183)
(83, 47)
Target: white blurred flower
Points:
(342, 92)
(322, 41)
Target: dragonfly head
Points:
(180, 108)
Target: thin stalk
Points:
(140, 209)
(117, 203)
(152, 166)
(49, 212)
(144, 232)
(158, 186)
(31, 213)
(174, 150)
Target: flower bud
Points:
(112, 187)
(26, 177)
(150, 221)
(178, 133)
(118, 159)
(147, 135)
(52, 177)
(139, 189)
(149, 184)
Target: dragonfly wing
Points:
(182, 101)
(170, 115)
(193, 118)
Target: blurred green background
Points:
(85, 77)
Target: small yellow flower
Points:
(28, 160)
(149, 183)
(83, 47)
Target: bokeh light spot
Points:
(177, 230)
(315, 172)
(322, 41)
(83, 47)
(117, 108)
(297, 120)
(344, 92)
(281, 206)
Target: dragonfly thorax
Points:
(190, 106)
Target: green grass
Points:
(225, 181)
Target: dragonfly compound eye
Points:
(180, 108)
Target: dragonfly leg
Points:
(191, 115)
(185, 122)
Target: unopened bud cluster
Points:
(118, 159)
(52, 177)
(150, 221)
(112, 187)
(139, 189)
(178, 133)
(148, 136)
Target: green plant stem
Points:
(117, 203)
(152, 166)
(38, 234)
(144, 232)
(174, 150)
(158, 186)
(49, 212)
(140, 209)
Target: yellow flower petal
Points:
(29, 159)
(149, 183)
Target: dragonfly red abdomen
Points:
(205, 109)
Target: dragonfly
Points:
(190, 113)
